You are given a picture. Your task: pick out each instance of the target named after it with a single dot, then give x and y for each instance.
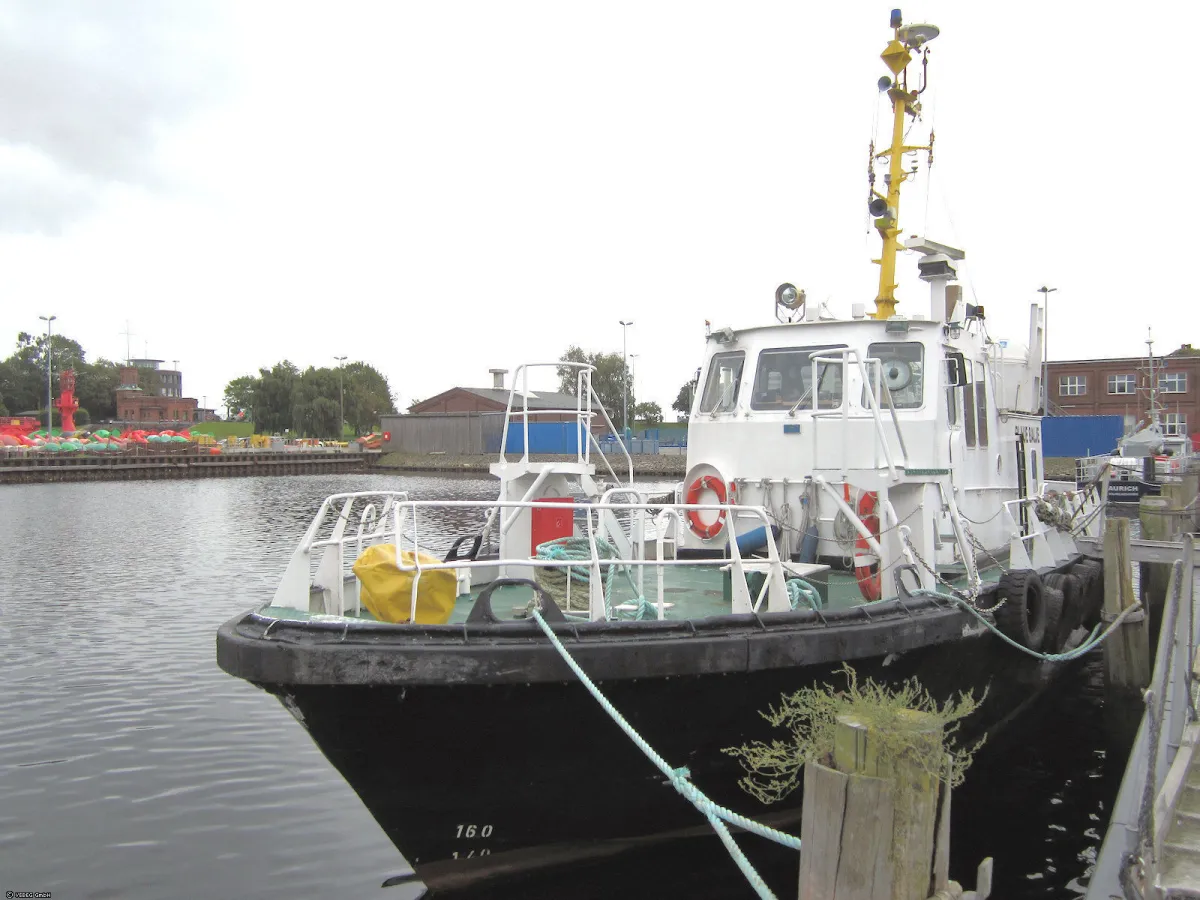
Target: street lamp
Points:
(633, 382)
(49, 380)
(1046, 292)
(341, 400)
(624, 380)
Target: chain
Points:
(982, 549)
(970, 595)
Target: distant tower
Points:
(67, 404)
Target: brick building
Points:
(1087, 387)
(161, 401)
(494, 399)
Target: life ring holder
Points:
(866, 563)
(706, 531)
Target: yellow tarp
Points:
(387, 591)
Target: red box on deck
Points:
(548, 523)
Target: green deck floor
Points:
(694, 592)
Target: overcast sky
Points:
(442, 188)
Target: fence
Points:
(458, 434)
(1076, 436)
(544, 437)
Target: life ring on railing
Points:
(706, 530)
(866, 563)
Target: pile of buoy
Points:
(101, 440)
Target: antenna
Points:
(884, 207)
(1153, 382)
(128, 352)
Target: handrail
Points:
(400, 513)
(844, 355)
(585, 410)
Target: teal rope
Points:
(1093, 640)
(680, 779)
(579, 549)
(798, 589)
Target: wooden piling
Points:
(870, 822)
(1126, 653)
(1179, 495)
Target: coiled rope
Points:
(680, 779)
(579, 549)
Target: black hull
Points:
(484, 757)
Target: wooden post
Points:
(1179, 495)
(1156, 526)
(1191, 488)
(1126, 653)
(869, 822)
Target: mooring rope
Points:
(680, 779)
(1093, 640)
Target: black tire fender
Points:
(1022, 616)
(1073, 610)
(1053, 598)
(1091, 576)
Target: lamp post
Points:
(1046, 292)
(633, 382)
(624, 379)
(341, 400)
(49, 378)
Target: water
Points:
(131, 766)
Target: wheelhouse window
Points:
(1173, 383)
(785, 379)
(724, 378)
(981, 404)
(903, 369)
(1122, 384)
(968, 396)
(1072, 385)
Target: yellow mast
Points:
(886, 207)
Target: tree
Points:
(368, 396)
(315, 406)
(649, 414)
(273, 401)
(239, 395)
(23, 375)
(683, 400)
(96, 388)
(610, 378)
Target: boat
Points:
(1147, 451)
(862, 491)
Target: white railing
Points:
(844, 357)
(584, 412)
(401, 521)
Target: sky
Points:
(439, 189)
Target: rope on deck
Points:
(680, 779)
(579, 549)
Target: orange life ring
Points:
(866, 563)
(706, 531)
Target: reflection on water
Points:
(131, 766)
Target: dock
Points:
(1151, 849)
(31, 469)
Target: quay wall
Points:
(30, 468)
